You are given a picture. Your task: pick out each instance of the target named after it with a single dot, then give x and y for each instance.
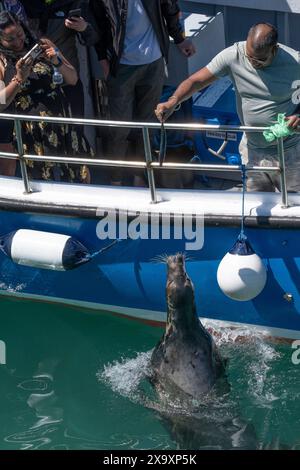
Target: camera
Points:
(34, 53)
(74, 14)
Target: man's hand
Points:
(187, 47)
(76, 23)
(164, 110)
(293, 121)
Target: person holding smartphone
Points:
(29, 89)
(133, 51)
(53, 20)
(8, 167)
(75, 21)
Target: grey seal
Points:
(186, 358)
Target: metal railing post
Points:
(148, 156)
(284, 194)
(18, 130)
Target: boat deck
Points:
(59, 197)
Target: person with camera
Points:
(7, 166)
(30, 73)
(64, 21)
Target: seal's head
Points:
(179, 293)
(177, 276)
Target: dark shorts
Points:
(6, 131)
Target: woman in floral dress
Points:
(30, 89)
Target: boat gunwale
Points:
(88, 212)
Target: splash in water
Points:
(219, 421)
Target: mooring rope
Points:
(105, 248)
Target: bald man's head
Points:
(261, 44)
(262, 36)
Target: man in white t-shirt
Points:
(266, 76)
(133, 50)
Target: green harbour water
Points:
(75, 379)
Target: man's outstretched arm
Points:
(185, 90)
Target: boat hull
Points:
(129, 279)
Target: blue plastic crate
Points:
(216, 105)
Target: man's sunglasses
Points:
(264, 61)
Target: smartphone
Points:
(74, 13)
(34, 53)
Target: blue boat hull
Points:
(126, 279)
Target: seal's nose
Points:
(176, 268)
(179, 258)
(176, 262)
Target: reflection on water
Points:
(78, 380)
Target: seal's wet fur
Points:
(186, 358)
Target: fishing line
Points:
(163, 139)
(163, 144)
(242, 235)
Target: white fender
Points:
(241, 276)
(44, 249)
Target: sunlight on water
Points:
(80, 380)
(125, 376)
(12, 288)
(256, 383)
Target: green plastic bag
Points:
(280, 129)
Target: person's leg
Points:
(120, 101)
(148, 90)
(7, 166)
(292, 168)
(147, 94)
(75, 97)
(256, 181)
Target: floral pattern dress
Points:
(41, 97)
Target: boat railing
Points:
(149, 165)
